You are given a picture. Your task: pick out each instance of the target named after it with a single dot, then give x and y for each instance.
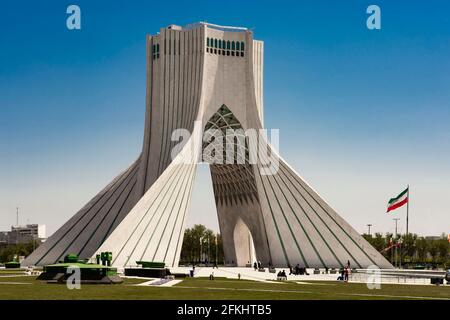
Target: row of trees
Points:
(201, 245)
(9, 252)
(412, 249)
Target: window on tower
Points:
(225, 47)
(155, 51)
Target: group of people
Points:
(344, 272)
(281, 274)
(257, 265)
(297, 270)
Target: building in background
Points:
(23, 234)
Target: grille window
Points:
(225, 47)
(155, 51)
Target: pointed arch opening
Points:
(243, 244)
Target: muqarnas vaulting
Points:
(211, 75)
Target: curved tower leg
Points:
(153, 230)
(87, 229)
(303, 229)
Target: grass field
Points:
(27, 287)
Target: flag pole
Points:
(407, 213)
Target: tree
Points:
(389, 254)
(199, 245)
(433, 250)
(408, 248)
(8, 252)
(379, 242)
(421, 249)
(443, 249)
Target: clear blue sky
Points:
(361, 113)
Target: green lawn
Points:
(11, 271)
(26, 287)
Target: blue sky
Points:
(361, 113)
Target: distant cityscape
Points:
(23, 234)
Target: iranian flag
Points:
(398, 201)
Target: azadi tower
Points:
(199, 77)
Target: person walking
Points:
(346, 274)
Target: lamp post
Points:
(369, 225)
(400, 241)
(200, 259)
(209, 251)
(217, 262)
(395, 238)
